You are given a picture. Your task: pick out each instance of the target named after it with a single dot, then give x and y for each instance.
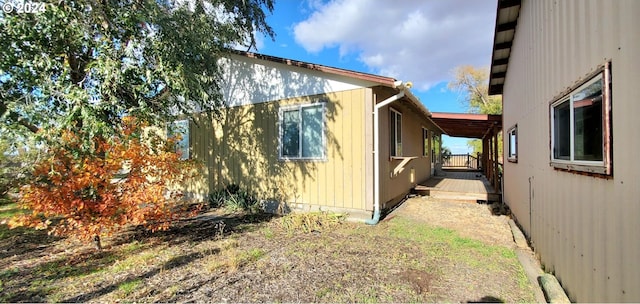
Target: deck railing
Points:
(462, 161)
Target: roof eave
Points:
(507, 13)
(421, 107)
(377, 79)
(381, 80)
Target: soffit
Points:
(467, 125)
(506, 22)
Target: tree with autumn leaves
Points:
(130, 179)
(473, 85)
(81, 78)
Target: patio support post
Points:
(496, 158)
(490, 167)
(485, 156)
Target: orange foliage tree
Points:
(126, 180)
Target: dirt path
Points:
(474, 221)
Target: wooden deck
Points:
(459, 185)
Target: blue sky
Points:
(411, 40)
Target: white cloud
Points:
(419, 41)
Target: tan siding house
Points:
(569, 71)
(303, 134)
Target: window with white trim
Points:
(580, 127)
(395, 132)
(513, 144)
(302, 132)
(180, 129)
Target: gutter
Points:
(404, 89)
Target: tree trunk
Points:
(96, 241)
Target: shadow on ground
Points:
(32, 259)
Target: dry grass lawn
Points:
(255, 258)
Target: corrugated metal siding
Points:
(585, 229)
(242, 148)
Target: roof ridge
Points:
(383, 80)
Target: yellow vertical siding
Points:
(241, 147)
(394, 187)
(584, 228)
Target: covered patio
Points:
(475, 180)
(459, 185)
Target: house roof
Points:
(467, 125)
(380, 80)
(506, 21)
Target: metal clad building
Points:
(569, 73)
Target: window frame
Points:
(512, 152)
(599, 167)
(395, 150)
(299, 108)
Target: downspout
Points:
(376, 151)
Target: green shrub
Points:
(234, 199)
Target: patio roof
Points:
(467, 125)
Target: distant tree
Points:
(130, 180)
(446, 153)
(475, 145)
(473, 84)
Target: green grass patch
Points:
(8, 273)
(448, 244)
(254, 254)
(133, 247)
(60, 269)
(132, 262)
(129, 287)
(9, 210)
(268, 233)
(42, 286)
(6, 233)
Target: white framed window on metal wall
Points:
(395, 132)
(513, 144)
(580, 126)
(302, 132)
(180, 128)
